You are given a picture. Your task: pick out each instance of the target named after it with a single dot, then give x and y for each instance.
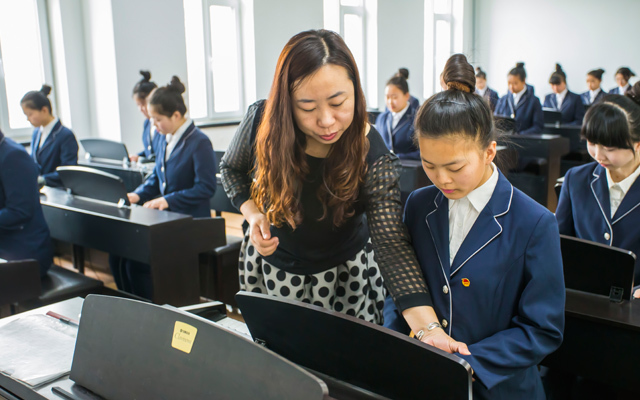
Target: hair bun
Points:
(558, 68)
(600, 71)
(520, 65)
(479, 70)
(403, 73)
(45, 89)
(146, 76)
(458, 74)
(634, 93)
(176, 85)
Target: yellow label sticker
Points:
(183, 336)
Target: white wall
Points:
(580, 35)
(275, 23)
(400, 44)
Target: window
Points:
(214, 59)
(443, 37)
(355, 20)
(25, 61)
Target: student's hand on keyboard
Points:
(133, 198)
(160, 203)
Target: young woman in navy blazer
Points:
(600, 201)
(521, 103)
(484, 91)
(23, 231)
(183, 180)
(490, 254)
(395, 124)
(52, 144)
(623, 75)
(563, 100)
(595, 92)
(150, 137)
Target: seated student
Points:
(595, 92)
(623, 75)
(484, 91)
(150, 138)
(23, 230)
(52, 144)
(490, 254)
(395, 124)
(563, 100)
(520, 103)
(600, 201)
(183, 181)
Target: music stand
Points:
(94, 184)
(353, 352)
(105, 149)
(552, 116)
(597, 268)
(125, 350)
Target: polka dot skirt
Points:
(354, 287)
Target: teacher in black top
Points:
(319, 190)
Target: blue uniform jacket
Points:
(400, 139)
(572, 109)
(617, 90)
(23, 231)
(188, 179)
(491, 96)
(584, 211)
(504, 294)
(586, 97)
(149, 150)
(528, 113)
(60, 148)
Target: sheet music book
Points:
(36, 349)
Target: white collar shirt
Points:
(397, 116)
(46, 131)
(560, 97)
(464, 212)
(518, 96)
(173, 139)
(617, 190)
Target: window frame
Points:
(47, 76)
(213, 116)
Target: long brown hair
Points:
(281, 164)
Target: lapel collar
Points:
(629, 202)
(438, 224)
(52, 136)
(567, 101)
(600, 191)
(512, 107)
(486, 228)
(523, 99)
(406, 118)
(182, 141)
(554, 101)
(36, 145)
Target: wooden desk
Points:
(168, 241)
(601, 340)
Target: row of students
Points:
(184, 176)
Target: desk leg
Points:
(176, 279)
(77, 257)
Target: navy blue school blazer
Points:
(491, 96)
(572, 109)
(149, 150)
(586, 97)
(400, 139)
(504, 293)
(616, 90)
(584, 211)
(188, 179)
(528, 113)
(60, 148)
(23, 231)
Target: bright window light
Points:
(442, 6)
(351, 3)
(224, 59)
(443, 46)
(20, 55)
(353, 37)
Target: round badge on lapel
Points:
(466, 282)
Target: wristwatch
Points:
(430, 327)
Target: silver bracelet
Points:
(429, 328)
